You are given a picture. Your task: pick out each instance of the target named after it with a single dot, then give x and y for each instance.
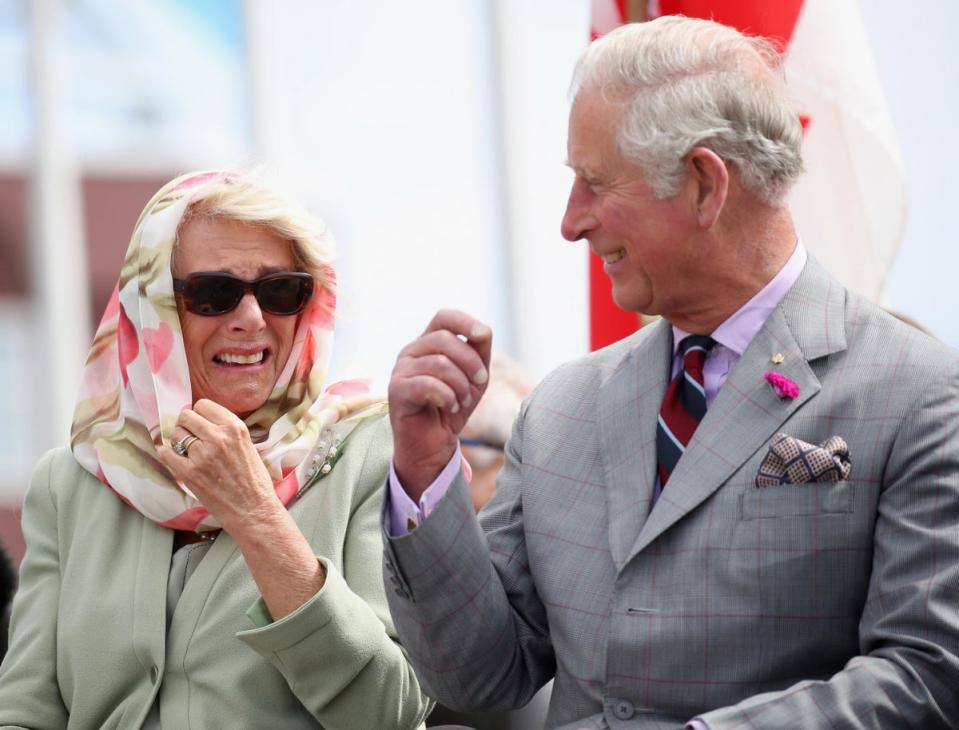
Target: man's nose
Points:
(578, 219)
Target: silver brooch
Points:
(325, 457)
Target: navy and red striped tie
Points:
(683, 406)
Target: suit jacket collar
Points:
(815, 312)
(808, 324)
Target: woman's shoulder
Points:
(373, 435)
(61, 476)
(371, 442)
(57, 465)
(364, 457)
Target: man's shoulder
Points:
(872, 329)
(882, 354)
(827, 318)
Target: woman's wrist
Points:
(279, 558)
(256, 521)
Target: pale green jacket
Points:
(89, 646)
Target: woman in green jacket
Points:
(207, 553)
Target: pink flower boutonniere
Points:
(784, 387)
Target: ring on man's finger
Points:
(182, 446)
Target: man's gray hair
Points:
(688, 83)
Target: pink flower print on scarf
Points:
(128, 345)
(158, 343)
(349, 388)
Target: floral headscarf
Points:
(136, 381)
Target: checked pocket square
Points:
(792, 461)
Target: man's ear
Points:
(709, 178)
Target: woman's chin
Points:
(238, 403)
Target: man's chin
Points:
(630, 302)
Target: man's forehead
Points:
(601, 99)
(591, 141)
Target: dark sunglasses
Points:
(210, 293)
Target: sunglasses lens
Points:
(284, 293)
(211, 295)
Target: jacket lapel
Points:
(747, 411)
(197, 588)
(149, 598)
(628, 434)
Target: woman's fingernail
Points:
(455, 408)
(468, 400)
(480, 376)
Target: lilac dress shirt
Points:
(732, 338)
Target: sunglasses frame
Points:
(183, 286)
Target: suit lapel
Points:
(628, 435)
(747, 411)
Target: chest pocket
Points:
(809, 499)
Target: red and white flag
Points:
(850, 206)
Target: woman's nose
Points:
(247, 316)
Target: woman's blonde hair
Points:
(248, 198)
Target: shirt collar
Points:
(742, 326)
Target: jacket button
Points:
(623, 709)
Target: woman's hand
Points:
(224, 471)
(222, 467)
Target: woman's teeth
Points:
(228, 358)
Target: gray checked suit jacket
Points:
(816, 605)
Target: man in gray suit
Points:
(744, 516)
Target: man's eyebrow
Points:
(580, 171)
(588, 177)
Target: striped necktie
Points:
(683, 406)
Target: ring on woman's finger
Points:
(182, 446)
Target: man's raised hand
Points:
(437, 381)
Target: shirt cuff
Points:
(405, 514)
(696, 725)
